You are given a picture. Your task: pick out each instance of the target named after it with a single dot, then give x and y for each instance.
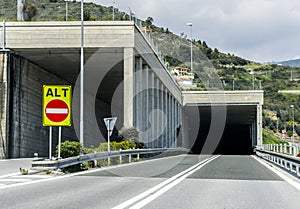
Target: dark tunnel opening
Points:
(236, 138)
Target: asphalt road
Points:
(12, 166)
(225, 182)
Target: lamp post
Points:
(82, 79)
(113, 10)
(293, 125)
(252, 73)
(191, 25)
(67, 9)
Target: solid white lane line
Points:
(15, 180)
(10, 175)
(53, 178)
(159, 189)
(286, 177)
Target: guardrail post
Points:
(138, 156)
(284, 149)
(280, 146)
(129, 157)
(95, 161)
(120, 157)
(290, 149)
(298, 170)
(296, 150)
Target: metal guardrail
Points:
(63, 163)
(287, 162)
(288, 149)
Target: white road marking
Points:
(9, 175)
(161, 188)
(57, 110)
(286, 177)
(76, 174)
(14, 180)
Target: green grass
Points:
(271, 139)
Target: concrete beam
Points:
(203, 98)
(35, 35)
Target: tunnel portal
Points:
(238, 132)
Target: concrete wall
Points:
(26, 134)
(3, 105)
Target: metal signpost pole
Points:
(82, 80)
(108, 144)
(59, 142)
(50, 142)
(109, 123)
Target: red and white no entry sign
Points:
(56, 105)
(57, 111)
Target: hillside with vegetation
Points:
(213, 69)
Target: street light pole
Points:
(252, 73)
(67, 10)
(191, 25)
(82, 79)
(293, 115)
(113, 8)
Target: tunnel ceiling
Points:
(65, 63)
(236, 114)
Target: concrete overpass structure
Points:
(124, 77)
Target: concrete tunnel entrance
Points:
(236, 137)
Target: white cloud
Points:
(261, 30)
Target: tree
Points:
(297, 130)
(289, 133)
(149, 21)
(30, 11)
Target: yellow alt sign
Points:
(57, 105)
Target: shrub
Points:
(124, 145)
(130, 134)
(69, 149)
(30, 11)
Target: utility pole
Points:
(20, 15)
(113, 10)
(191, 25)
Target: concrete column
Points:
(173, 122)
(170, 120)
(177, 123)
(180, 137)
(162, 122)
(128, 87)
(259, 125)
(4, 106)
(168, 126)
(156, 107)
(138, 94)
(151, 107)
(165, 108)
(145, 115)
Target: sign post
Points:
(56, 110)
(110, 123)
(50, 142)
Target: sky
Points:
(258, 30)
